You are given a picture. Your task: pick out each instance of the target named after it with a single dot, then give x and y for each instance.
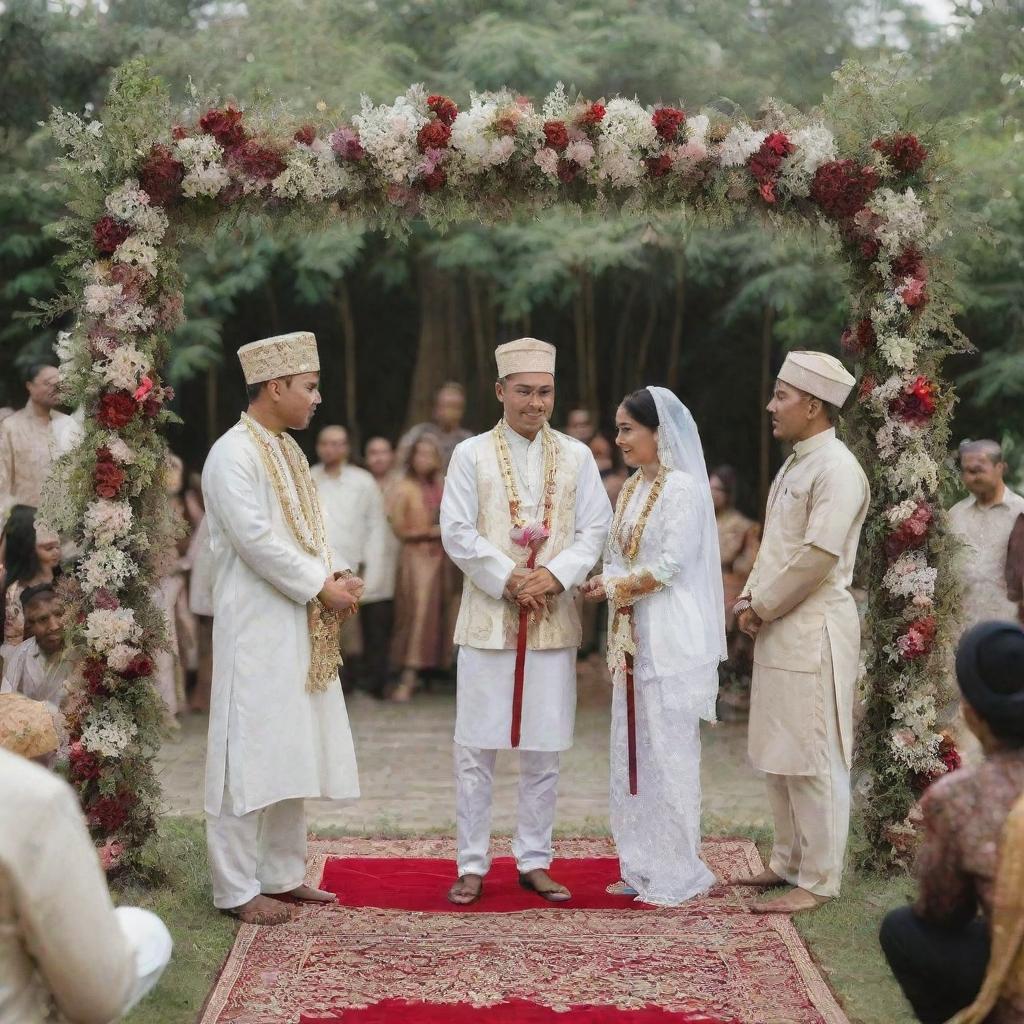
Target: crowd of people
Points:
(697, 614)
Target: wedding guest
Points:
(33, 437)
(354, 512)
(38, 667)
(377, 609)
(580, 424)
(944, 953)
(983, 523)
(31, 557)
(200, 603)
(422, 638)
(738, 540)
(65, 952)
(798, 605)
(446, 426)
(613, 473)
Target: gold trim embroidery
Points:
(306, 522)
(508, 475)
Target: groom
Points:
(524, 516)
(799, 608)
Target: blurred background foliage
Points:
(709, 313)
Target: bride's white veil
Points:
(679, 448)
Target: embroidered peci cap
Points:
(818, 374)
(526, 355)
(281, 356)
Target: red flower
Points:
(108, 234)
(868, 384)
(764, 164)
(912, 292)
(259, 161)
(144, 388)
(667, 122)
(909, 263)
(306, 135)
(345, 143)
(767, 190)
(179, 132)
(919, 638)
(138, 668)
(116, 410)
(160, 176)
(659, 166)
(557, 135)
(109, 813)
(859, 339)
(225, 126)
(84, 765)
(507, 124)
(916, 405)
(842, 187)
(108, 478)
(433, 135)
(911, 533)
(870, 248)
(950, 758)
(436, 179)
(904, 152)
(94, 672)
(567, 170)
(594, 114)
(445, 109)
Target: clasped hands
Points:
(341, 592)
(531, 588)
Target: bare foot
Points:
(540, 882)
(621, 888)
(261, 910)
(766, 879)
(307, 894)
(466, 890)
(796, 901)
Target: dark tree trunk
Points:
(767, 335)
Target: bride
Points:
(666, 635)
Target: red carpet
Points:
(515, 1011)
(395, 951)
(420, 883)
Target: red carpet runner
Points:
(394, 950)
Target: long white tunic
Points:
(486, 677)
(270, 738)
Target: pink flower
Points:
(532, 535)
(111, 853)
(143, 389)
(103, 598)
(912, 292)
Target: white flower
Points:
(108, 732)
(556, 104)
(124, 367)
(901, 513)
(626, 135)
(100, 299)
(82, 139)
(105, 629)
(151, 223)
(581, 151)
(816, 145)
(885, 441)
(66, 347)
(472, 140)
(108, 521)
(388, 134)
(911, 576)
(106, 567)
(312, 174)
(124, 202)
(198, 150)
(547, 160)
(905, 221)
(205, 180)
(121, 656)
(915, 474)
(740, 145)
(897, 350)
(697, 129)
(137, 252)
(120, 452)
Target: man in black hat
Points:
(972, 857)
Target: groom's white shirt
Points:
(486, 676)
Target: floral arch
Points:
(146, 179)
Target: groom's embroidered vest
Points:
(491, 624)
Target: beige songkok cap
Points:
(526, 355)
(279, 357)
(818, 374)
(26, 726)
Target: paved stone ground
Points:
(404, 754)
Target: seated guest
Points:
(65, 952)
(31, 557)
(945, 955)
(38, 667)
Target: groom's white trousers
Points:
(538, 792)
(263, 851)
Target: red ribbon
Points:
(630, 710)
(517, 688)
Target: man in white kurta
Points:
(279, 730)
(806, 655)
(476, 526)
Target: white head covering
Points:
(818, 374)
(279, 357)
(679, 448)
(526, 355)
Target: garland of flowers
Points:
(145, 179)
(527, 535)
(631, 545)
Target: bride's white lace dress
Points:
(677, 633)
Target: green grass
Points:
(843, 936)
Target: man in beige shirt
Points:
(799, 608)
(64, 949)
(32, 438)
(983, 522)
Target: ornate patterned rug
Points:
(709, 962)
